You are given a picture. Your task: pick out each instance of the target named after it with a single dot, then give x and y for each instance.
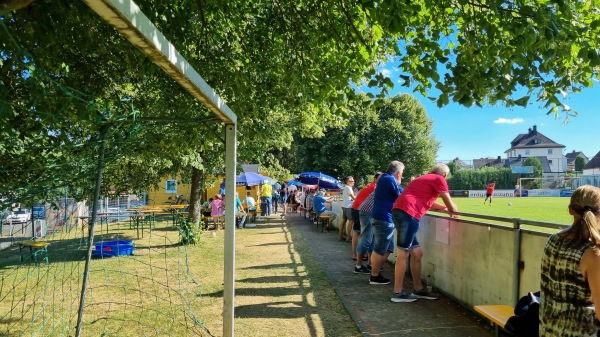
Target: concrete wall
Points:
(477, 263)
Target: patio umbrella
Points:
(295, 183)
(270, 181)
(250, 179)
(320, 179)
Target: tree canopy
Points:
(65, 75)
(396, 129)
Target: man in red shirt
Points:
(418, 197)
(489, 191)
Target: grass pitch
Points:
(552, 210)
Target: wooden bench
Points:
(497, 314)
(324, 221)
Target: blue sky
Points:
(472, 133)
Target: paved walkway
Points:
(370, 305)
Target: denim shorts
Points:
(365, 240)
(356, 219)
(384, 236)
(407, 228)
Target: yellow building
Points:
(169, 190)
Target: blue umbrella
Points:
(250, 179)
(295, 182)
(323, 180)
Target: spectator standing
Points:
(489, 191)
(362, 195)
(217, 209)
(267, 193)
(570, 282)
(276, 197)
(222, 188)
(283, 194)
(347, 199)
(387, 190)
(418, 197)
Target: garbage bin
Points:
(263, 208)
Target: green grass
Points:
(281, 289)
(552, 210)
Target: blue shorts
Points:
(383, 233)
(356, 220)
(406, 227)
(365, 240)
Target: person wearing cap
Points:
(319, 205)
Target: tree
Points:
(478, 179)
(396, 129)
(538, 171)
(453, 167)
(579, 164)
(281, 66)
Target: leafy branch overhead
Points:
(475, 52)
(284, 67)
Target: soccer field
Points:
(540, 209)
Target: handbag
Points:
(526, 321)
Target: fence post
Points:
(516, 282)
(103, 132)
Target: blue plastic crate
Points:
(113, 248)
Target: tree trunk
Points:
(196, 196)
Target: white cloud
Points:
(508, 120)
(386, 72)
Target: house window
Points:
(526, 152)
(549, 151)
(171, 187)
(550, 161)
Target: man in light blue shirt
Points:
(319, 205)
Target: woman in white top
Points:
(347, 199)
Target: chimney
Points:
(529, 130)
(519, 157)
(499, 159)
(534, 128)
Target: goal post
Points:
(549, 186)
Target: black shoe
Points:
(378, 280)
(361, 270)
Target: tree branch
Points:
(349, 18)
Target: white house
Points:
(535, 144)
(592, 167)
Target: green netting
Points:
(149, 291)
